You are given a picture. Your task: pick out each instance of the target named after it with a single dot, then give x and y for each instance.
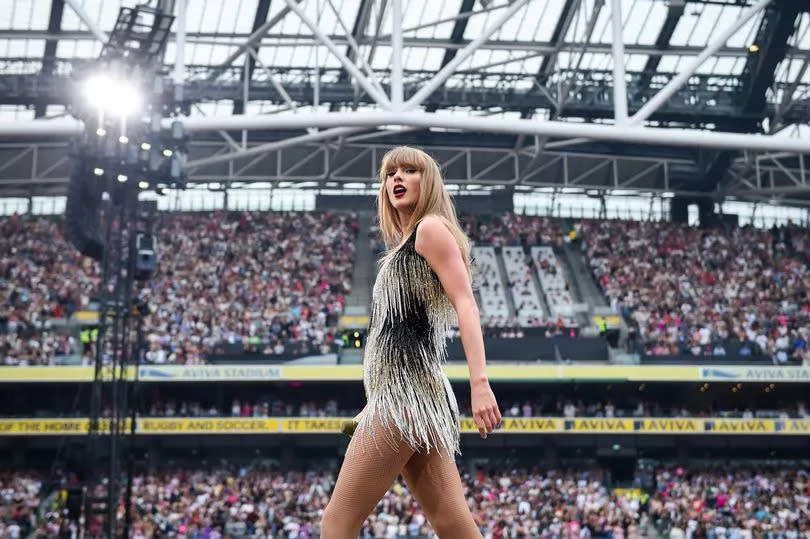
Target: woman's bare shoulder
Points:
(433, 236)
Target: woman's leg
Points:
(435, 483)
(369, 468)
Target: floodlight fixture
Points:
(112, 95)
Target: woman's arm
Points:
(436, 244)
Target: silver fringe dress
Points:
(407, 391)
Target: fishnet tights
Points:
(370, 467)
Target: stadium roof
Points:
(550, 60)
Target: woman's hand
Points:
(485, 410)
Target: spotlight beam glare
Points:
(114, 96)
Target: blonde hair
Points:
(433, 200)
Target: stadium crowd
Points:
(498, 230)
(43, 281)
(258, 502)
(275, 284)
(705, 292)
(732, 503)
(260, 281)
(512, 230)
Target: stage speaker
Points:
(83, 211)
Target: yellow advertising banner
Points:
(208, 425)
(793, 426)
(512, 424)
(56, 427)
(740, 426)
(669, 425)
(332, 425)
(499, 372)
(352, 373)
(66, 373)
(314, 424)
(598, 424)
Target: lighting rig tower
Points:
(123, 151)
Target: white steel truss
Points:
(43, 168)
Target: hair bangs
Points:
(402, 157)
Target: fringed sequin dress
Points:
(406, 388)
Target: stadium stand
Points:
(555, 285)
(718, 294)
(519, 273)
(488, 282)
(706, 291)
(257, 502)
(214, 268)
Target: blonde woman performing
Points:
(410, 422)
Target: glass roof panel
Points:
(22, 48)
(668, 63)
(644, 22)
(589, 60)
(437, 11)
(715, 65)
(421, 58)
(417, 13)
(540, 20)
(297, 56)
(635, 62)
(80, 48)
(535, 19)
(746, 35)
(29, 15)
(700, 21)
(727, 66)
(803, 35)
(205, 54)
(104, 12)
(413, 14)
(601, 30)
(382, 57)
(242, 19)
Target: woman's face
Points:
(402, 186)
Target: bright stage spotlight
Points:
(113, 96)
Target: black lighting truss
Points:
(119, 348)
(118, 156)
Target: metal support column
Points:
(397, 97)
(619, 81)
